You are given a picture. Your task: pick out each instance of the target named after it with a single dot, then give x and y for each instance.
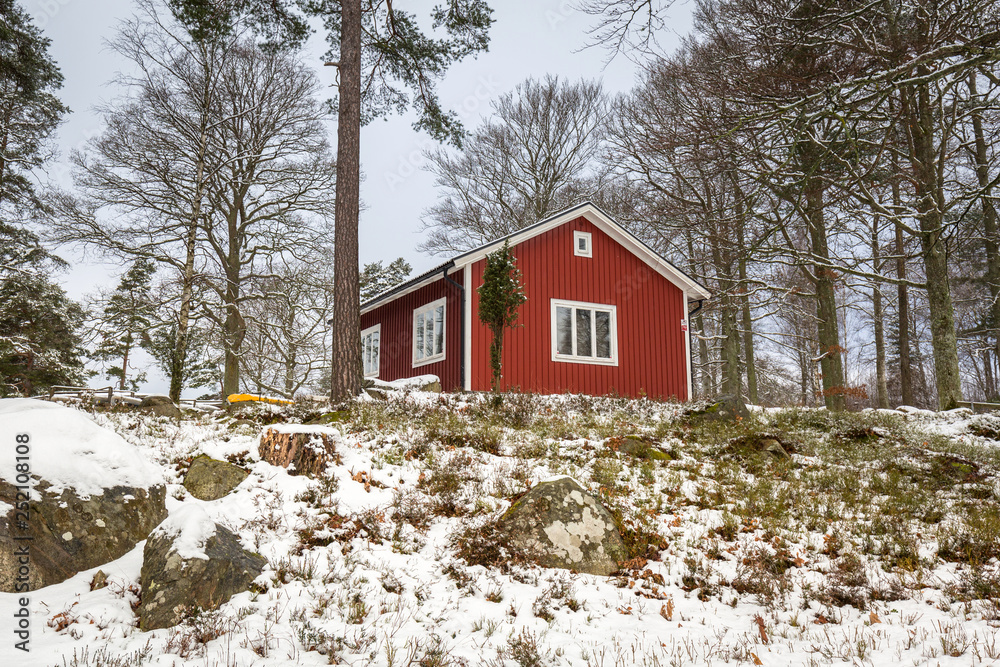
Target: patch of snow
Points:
(69, 451)
(412, 383)
(190, 527)
(303, 428)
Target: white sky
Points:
(529, 38)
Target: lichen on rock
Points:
(559, 524)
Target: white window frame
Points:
(364, 334)
(584, 305)
(428, 308)
(588, 237)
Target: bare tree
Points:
(536, 154)
(285, 349)
(215, 164)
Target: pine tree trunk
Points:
(832, 361)
(929, 197)
(345, 377)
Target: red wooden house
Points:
(604, 315)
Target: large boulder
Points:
(190, 563)
(160, 405)
(559, 524)
(82, 498)
(209, 479)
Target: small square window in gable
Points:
(582, 246)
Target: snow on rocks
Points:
(84, 496)
(69, 450)
(191, 563)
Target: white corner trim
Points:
(573, 359)
(369, 330)
(687, 348)
(430, 307)
(467, 380)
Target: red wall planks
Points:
(396, 318)
(651, 347)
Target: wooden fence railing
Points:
(111, 395)
(979, 406)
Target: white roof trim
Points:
(597, 217)
(600, 220)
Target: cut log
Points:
(304, 450)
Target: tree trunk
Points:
(234, 328)
(903, 309)
(128, 348)
(731, 381)
(991, 238)
(747, 313)
(345, 375)
(178, 360)
(929, 197)
(881, 385)
(830, 351)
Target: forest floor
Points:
(877, 542)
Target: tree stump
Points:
(304, 450)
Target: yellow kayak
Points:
(244, 398)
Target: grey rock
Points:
(559, 524)
(642, 448)
(160, 405)
(99, 581)
(70, 534)
(175, 584)
(728, 407)
(774, 448)
(378, 394)
(434, 387)
(209, 479)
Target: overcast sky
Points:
(529, 38)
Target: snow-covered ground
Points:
(876, 544)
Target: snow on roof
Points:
(68, 450)
(190, 527)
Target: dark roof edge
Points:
(402, 287)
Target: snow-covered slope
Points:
(872, 545)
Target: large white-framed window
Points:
(582, 244)
(428, 333)
(584, 333)
(371, 339)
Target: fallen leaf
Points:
(756, 660)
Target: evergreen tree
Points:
(39, 335)
(500, 295)
(29, 109)
(377, 278)
(125, 322)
